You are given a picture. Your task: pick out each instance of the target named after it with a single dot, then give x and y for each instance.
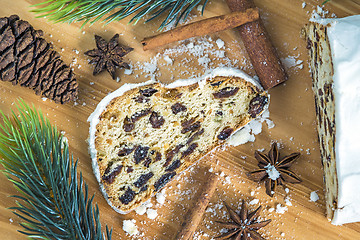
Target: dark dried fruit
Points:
(219, 113)
(189, 150)
(157, 156)
(156, 120)
(226, 92)
(28, 60)
(127, 197)
(143, 179)
(257, 105)
(309, 44)
(128, 125)
(125, 151)
(141, 99)
(190, 126)
(148, 92)
(147, 162)
(136, 116)
(178, 107)
(144, 188)
(109, 178)
(188, 122)
(216, 84)
(176, 164)
(172, 94)
(163, 180)
(129, 169)
(140, 153)
(170, 154)
(225, 133)
(194, 136)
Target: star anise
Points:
(243, 226)
(273, 170)
(108, 55)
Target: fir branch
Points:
(53, 202)
(90, 11)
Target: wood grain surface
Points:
(291, 109)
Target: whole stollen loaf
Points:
(334, 62)
(142, 135)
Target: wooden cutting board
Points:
(291, 109)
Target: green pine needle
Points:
(90, 11)
(53, 200)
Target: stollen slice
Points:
(143, 135)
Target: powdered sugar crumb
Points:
(272, 172)
(220, 43)
(292, 62)
(168, 60)
(313, 196)
(248, 132)
(151, 213)
(281, 209)
(160, 197)
(141, 210)
(128, 71)
(130, 227)
(288, 201)
(227, 180)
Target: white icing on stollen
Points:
(344, 36)
(94, 118)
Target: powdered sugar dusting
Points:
(207, 53)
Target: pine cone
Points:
(27, 59)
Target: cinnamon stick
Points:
(193, 217)
(261, 52)
(200, 28)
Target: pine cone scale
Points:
(3, 24)
(24, 41)
(8, 74)
(25, 74)
(28, 60)
(6, 58)
(7, 39)
(25, 58)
